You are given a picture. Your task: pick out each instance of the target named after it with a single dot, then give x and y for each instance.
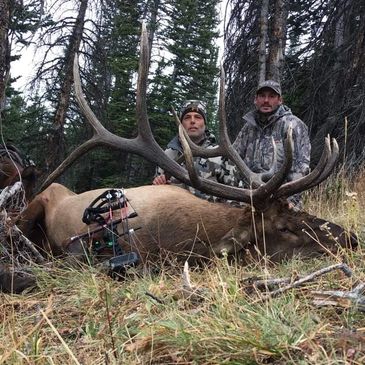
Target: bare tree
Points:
(57, 142)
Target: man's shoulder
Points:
(288, 117)
(174, 144)
(249, 119)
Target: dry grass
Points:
(84, 317)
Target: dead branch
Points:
(297, 283)
(345, 299)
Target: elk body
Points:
(170, 219)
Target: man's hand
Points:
(160, 180)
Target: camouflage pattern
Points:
(254, 144)
(269, 84)
(193, 106)
(205, 167)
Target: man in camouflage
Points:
(193, 118)
(254, 142)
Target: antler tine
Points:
(275, 182)
(98, 128)
(304, 183)
(194, 177)
(329, 166)
(229, 152)
(144, 129)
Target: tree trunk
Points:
(263, 40)
(153, 23)
(277, 41)
(4, 50)
(57, 142)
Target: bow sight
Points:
(104, 237)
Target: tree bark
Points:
(4, 50)
(277, 41)
(153, 23)
(263, 40)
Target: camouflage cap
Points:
(193, 106)
(270, 84)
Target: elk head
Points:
(265, 224)
(280, 232)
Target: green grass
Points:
(83, 316)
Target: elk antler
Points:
(146, 146)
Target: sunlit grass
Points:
(83, 316)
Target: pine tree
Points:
(188, 70)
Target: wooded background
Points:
(315, 48)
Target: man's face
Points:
(194, 124)
(267, 101)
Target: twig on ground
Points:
(267, 283)
(158, 300)
(345, 299)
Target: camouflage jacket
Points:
(254, 144)
(205, 167)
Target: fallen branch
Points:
(266, 283)
(344, 299)
(157, 299)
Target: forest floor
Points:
(81, 316)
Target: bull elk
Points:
(170, 219)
